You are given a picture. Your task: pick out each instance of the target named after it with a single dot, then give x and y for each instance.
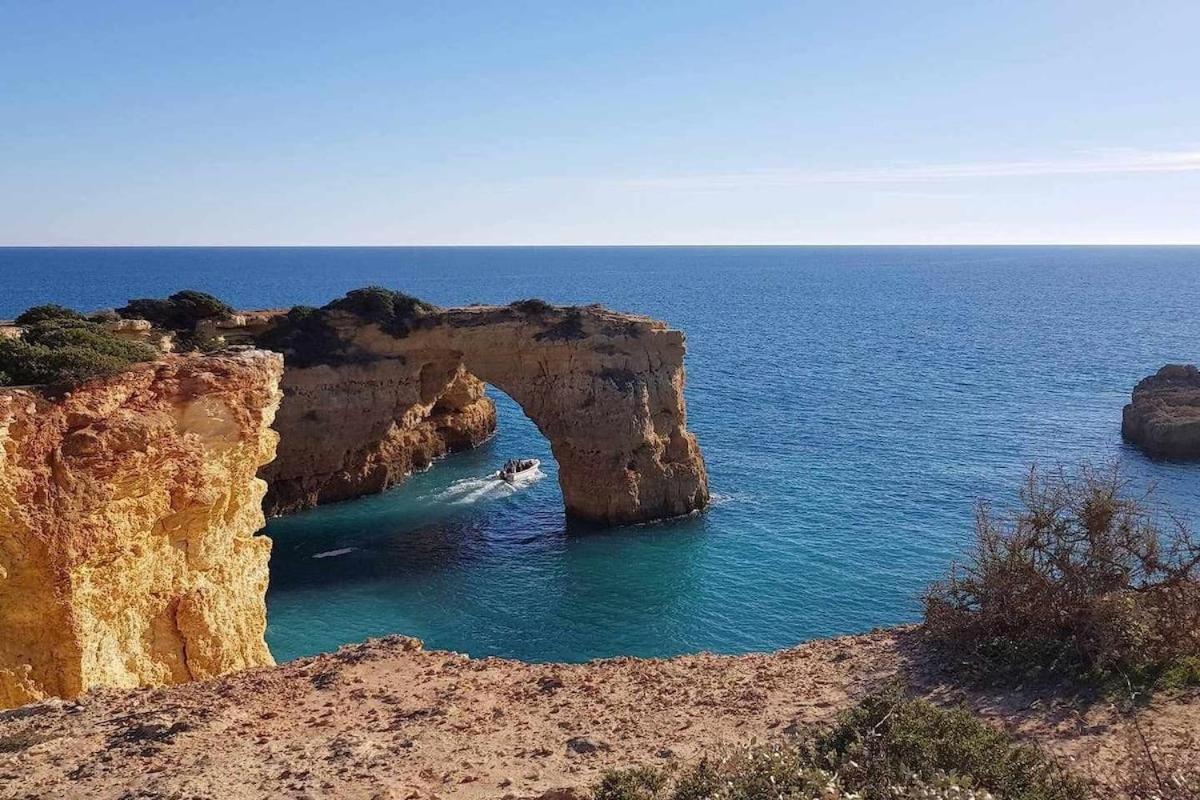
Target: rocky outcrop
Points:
(1164, 417)
(129, 505)
(128, 512)
(355, 429)
(366, 402)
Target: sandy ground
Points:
(387, 720)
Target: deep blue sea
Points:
(852, 404)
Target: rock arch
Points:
(604, 388)
(129, 505)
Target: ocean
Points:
(852, 403)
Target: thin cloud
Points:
(917, 195)
(1108, 162)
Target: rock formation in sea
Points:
(358, 428)
(1163, 418)
(370, 396)
(129, 503)
(128, 512)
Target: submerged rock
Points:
(1164, 417)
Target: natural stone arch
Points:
(129, 505)
(604, 388)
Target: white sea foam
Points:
(474, 490)
(334, 553)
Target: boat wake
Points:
(335, 553)
(474, 490)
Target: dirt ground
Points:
(387, 720)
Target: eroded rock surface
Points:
(605, 388)
(1164, 417)
(128, 512)
(357, 429)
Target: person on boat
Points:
(517, 466)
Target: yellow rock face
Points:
(128, 513)
(606, 390)
(356, 429)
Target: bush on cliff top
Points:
(395, 312)
(1081, 582)
(179, 312)
(532, 306)
(307, 336)
(49, 311)
(65, 351)
(887, 746)
(304, 337)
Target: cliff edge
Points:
(390, 720)
(128, 512)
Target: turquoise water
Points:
(852, 403)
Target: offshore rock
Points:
(1164, 417)
(128, 512)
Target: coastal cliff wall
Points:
(355, 429)
(366, 402)
(128, 512)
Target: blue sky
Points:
(599, 123)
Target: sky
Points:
(699, 122)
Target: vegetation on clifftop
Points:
(888, 746)
(65, 350)
(62, 347)
(395, 312)
(1082, 582)
(179, 312)
(308, 336)
(47, 312)
(531, 306)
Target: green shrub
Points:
(532, 306)
(49, 311)
(888, 746)
(307, 336)
(107, 315)
(156, 311)
(395, 312)
(887, 738)
(179, 312)
(194, 306)
(62, 334)
(26, 364)
(64, 350)
(1082, 582)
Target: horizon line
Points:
(154, 246)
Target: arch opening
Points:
(604, 389)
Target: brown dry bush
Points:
(1157, 775)
(1085, 580)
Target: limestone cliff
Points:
(1163, 418)
(365, 402)
(355, 429)
(128, 509)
